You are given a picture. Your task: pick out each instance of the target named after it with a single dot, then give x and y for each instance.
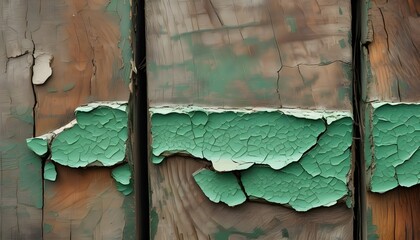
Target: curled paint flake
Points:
(220, 187)
(49, 171)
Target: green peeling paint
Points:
(220, 187)
(235, 140)
(396, 144)
(38, 145)
(225, 234)
(98, 138)
(123, 9)
(122, 174)
(319, 179)
(49, 171)
(123, 177)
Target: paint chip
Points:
(220, 187)
(49, 171)
(42, 69)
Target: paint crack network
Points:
(97, 137)
(277, 150)
(395, 136)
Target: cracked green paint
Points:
(98, 138)
(123, 178)
(235, 140)
(396, 144)
(319, 179)
(38, 145)
(49, 171)
(122, 174)
(220, 187)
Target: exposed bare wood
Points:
(181, 211)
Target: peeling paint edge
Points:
(329, 115)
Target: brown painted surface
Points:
(83, 40)
(393, 45)
(185, 213)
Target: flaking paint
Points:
(237, 139)
(220, 187)
(396, 143)
(50, 172)
(318, 179)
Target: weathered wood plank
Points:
(20, 170)
(227, 56)
(181, 211)
(391, 73)
(244, 53)
(88, 44)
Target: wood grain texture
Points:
(393, 45)
(20, 170)
(264, 53)
(244, 53)
(394, 214)
(392, 60)
(181, 211)
(82, 36)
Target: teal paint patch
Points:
(319, 179)
(38, 145)
(49, 171)
(47, 228)
(226, 233)
(291, 22)
(221, 72)
(342, 43)
(220, 187)
(123, 9)
(285, 233)
(122, 174)
(30, 177)
(154, 223)
(396, 144)
(371, 228)
(68, 87)
(235, 140)
(98, 138)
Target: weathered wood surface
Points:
(83, 37)
(84, 45)
(391, 73)
(249, 53)
(181, 211)
(20, 170)
(244, 54)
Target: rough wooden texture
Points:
(181, 211)
(391, 64)
(265, 53)
(393, 39)
(20, 170)
(82, 36)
